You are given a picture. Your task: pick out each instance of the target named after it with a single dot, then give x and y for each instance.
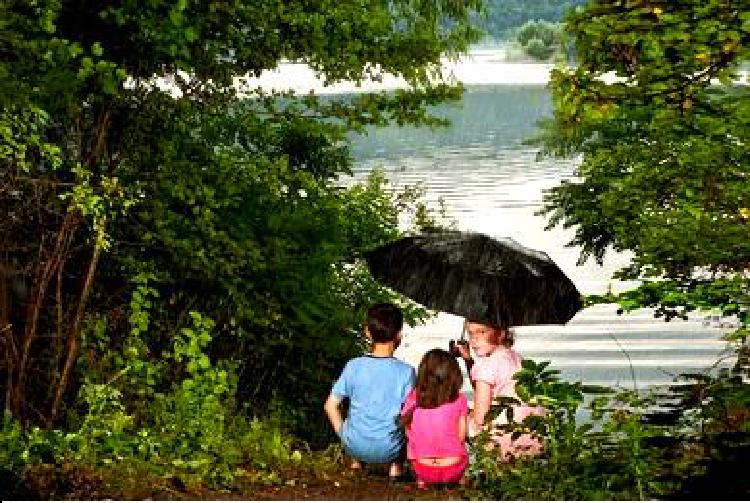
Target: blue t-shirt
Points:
(376, 388)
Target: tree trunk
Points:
(45, 272)
(74, 335)
(5, 279)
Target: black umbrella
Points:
(495, 281)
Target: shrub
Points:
(540, 39)
(686, 443)
(193, 429)
(538, 50)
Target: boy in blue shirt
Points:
(377, 385)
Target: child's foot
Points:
(421, 484)
(395, 470)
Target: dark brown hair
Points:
(384, 322)
(439, 381)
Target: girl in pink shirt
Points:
(434, 415)
(492, 376)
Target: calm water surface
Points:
(491, 182)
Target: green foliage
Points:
(538, 50)
(22, 134)
(13, 453)
(193, 429)
(603, 459)
(540, 39)
(193, 419)
(274, 270)
(662, 173)
(653, 112)
(607, 444)
(233, 206)
(138, 188)
(503, 17)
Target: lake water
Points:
(490, 182)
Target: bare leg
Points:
(396, 470)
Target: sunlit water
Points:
(491, 182)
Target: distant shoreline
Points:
(479, 67)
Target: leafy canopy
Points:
(654, 111)
(231, 206)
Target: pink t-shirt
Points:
(434, 432)
(497, 369)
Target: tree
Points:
(540, 39)
(503, 16)
(662, 129)
(105, 177)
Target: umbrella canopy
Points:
(495, 281)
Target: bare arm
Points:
(462, 427)
(482, 402)
(333, 412)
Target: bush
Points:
(192, 430)
(686, 443)
(538, 50)
(540, 39)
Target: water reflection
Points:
(491, 182)
(489, 179)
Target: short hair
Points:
(384, 322)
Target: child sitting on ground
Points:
(377, 385)
(492, 376)
(435, 419)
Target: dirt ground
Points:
(367, 487)
(76, 483)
